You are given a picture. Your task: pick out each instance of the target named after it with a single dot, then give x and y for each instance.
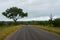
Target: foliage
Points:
(37, 22)
(56, 22)
(14, 13)
(7, 23)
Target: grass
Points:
(50, 29)
(5, 31)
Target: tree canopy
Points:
(14, 13)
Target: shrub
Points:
(56, 22)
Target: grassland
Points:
(5, 31)
(48, 28)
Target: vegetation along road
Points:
(31, 33)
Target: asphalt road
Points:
(30, 33)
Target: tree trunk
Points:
(14, 20)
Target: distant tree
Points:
(14, 13)
(50, 20)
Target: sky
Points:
(36, 9)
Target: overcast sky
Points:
(37, 9)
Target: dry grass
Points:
(48, 28)
(5, 31)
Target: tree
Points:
(14, 13)
(50, 20)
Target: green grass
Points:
(5, 31)
(50, 29)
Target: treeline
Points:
(36, 23)
(7, 23)
(55, 23)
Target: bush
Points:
(8, 23)
(56, 22)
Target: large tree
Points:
(14, 13)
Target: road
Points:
(30, 33)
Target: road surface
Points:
(30, 33)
